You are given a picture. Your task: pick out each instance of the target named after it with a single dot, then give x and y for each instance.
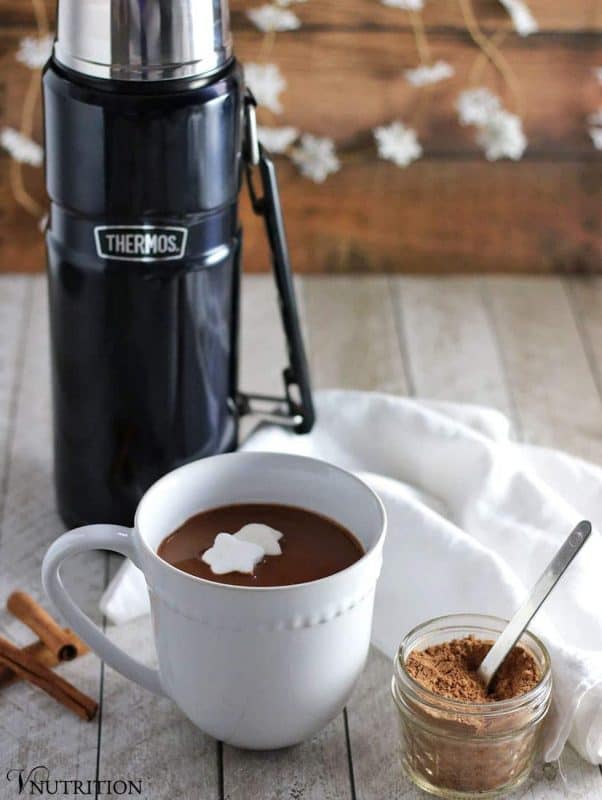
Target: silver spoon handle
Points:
(551, 575)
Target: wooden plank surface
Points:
(351, 337)
(21, 241)
(514, 344)
(14, 305)
(263, 351)
(262, 347)
(586, 300)
(315, 770)
(557, 87)
(146, 738)
(548, 371)
(440, 216)
(550, 207)
(20, 14)
(444, 322)
(374, 736)
(552, 15)
(34, 729)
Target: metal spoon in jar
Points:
(550, 577)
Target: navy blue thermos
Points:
(150, 134)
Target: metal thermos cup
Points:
(149, 133)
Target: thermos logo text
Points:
(143, 243)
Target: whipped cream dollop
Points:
(242, 551)
(262, 535)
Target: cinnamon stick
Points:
(26, 667)
(61, 641)
(42, 655)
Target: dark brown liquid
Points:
(313, 546)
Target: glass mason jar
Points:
(454, 748)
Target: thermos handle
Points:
(299, 410)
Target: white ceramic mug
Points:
(255, 667)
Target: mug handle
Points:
(80, 540)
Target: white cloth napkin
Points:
(473, 521)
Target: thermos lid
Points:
(143, 40)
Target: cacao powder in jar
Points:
(469, 741)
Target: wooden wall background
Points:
(451, 211)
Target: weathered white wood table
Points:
(528, 346)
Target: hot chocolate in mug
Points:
(257, 667)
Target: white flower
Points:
(500, 133)
(595, 131)
(266, 82)
(277, 140)
(502, 136)
(475, 106)
(273, 18)
(406, 5)
(595, 119)
(429, 73)
(523, 20)
(316, 157)
(596, 134)
(397, 143)
(34, 51)
(21, 148)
